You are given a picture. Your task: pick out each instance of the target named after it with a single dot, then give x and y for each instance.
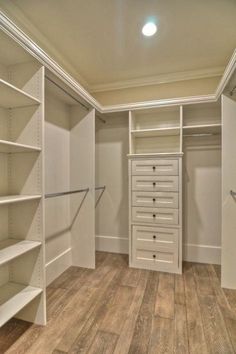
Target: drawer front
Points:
(160, 260)
(155, 167)
(155, 215)
(155, 199)
(155, 184)
(146, 237)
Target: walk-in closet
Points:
(117, 178)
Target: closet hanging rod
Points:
(232, 91)
(59, 194)
(97, 188)
(200, 135)
(66, 92)
(101, 119)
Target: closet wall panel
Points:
(112, 171)
(82, 176)
(202, 200)
(57, 179)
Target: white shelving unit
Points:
(13, 298)
(202, 129)
(22, 254)
(142, 133)
(11, 249)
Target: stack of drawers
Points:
(155, 216)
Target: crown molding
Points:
(20, 19)
(31, 47)
(159, 79)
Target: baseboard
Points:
(58, 265)
(202, 253)
(112, 244)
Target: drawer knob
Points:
(154, 184)
(154, 168)
(154, 256)
(154, 237)
(154, 215)
(154, 199)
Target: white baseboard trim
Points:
(202, 253)
(58, 265)
(112, 244)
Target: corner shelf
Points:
(13, 298)
(9, 199)
(12, 97)
(11, 147)
(168, 131)
(12, 248)
(202, 129)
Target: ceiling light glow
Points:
(149, 29)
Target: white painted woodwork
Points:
(13, 298)
(228, 262)
(10, 147)
(82, 175)
(155, 215)
(10, 249)
(155, 199)
(57, 179)
(112, 171)
(155, 167)
(155, 183)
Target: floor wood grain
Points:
(118, 310)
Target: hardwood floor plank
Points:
(104, 343)
(142, 331)
(80, 338)
(197, 342)
(181, 332)
(162, 336)
(164, 306)
(179, 292)
(112, 310)
(226, 310)
(214, 326)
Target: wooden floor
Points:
(115, 309)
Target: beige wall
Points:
(161, 91)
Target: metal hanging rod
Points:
(101, 119)
(200, 135)
(97, 188)
(232, 91)
(59, 194)
(67, 93)
(71, 96)
(100, 196)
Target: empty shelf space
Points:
(12, 97)
(12, 248)
(142, 133)
(11, 147)
(13, 298)
(8, 199)
(202, 129)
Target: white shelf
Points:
(12, 97)
(13, 298)
(202, 129)
(11, 249)
(168, 131)
(156, 154)
(10, 147)
(8, 199)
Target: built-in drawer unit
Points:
(155, 199)
(155, 183)
(155, 215)
(157, 167)
(146, 237)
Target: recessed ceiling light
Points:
(149, 29)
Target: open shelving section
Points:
(155, 131)
(22, 254)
